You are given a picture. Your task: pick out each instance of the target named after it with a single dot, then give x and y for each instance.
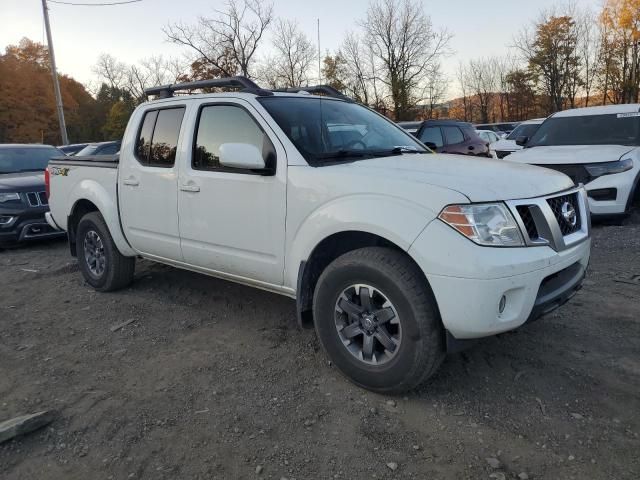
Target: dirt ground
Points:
(213, 380)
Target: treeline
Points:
(391, 61)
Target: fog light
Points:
(502, 304)
(5, 219)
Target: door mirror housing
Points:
(522, 140)
(241, 155)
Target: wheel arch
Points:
(91, 196)
(325, 252)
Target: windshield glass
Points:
(326, 130)
(588, 130)
(526, 130)
(28, 159)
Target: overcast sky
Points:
(134, 31)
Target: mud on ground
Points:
(214, 380)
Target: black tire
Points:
(116, 270)
(422, 343)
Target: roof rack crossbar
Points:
(166, 91)
(317, 89)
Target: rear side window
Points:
(158, 139)
(432, 135)
(220, 124)
(453, 135)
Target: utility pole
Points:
(54, 73)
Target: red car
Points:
(448, 136)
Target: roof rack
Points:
(317, 89)
(166, 91)
(244, 84)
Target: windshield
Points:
(27, 159)
(326, 130)
(588, 130)
(526, 130)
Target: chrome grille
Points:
(557, 204)
(37, 199)
(558, 221)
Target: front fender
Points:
(105, 201)
(395, 219)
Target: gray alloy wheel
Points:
(368, 324)
(94, 253)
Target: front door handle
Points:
(131, 181)
(190, 187)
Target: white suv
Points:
(595, 146)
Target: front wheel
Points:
(101, 264)
(377, 319)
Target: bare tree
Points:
(483, 82)
(294, 54)
(588, 49)
(461, 75)
(405, 47)
(236, 32)
(434, 90)
(110, 70)
(361, 81)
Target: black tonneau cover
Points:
(102, 161)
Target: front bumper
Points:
(623, 184)
(470, 281)
(26, 225)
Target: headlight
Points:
(608, 168)
(489, 224)
(7, 197)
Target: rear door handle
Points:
(131, 181)
(190, 187)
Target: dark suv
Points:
(23, 201)
(448, 136)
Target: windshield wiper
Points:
(399, 150)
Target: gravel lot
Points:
(214, 381)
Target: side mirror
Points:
(241, 155)
(522, 140)
(431, 145)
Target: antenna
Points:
(319, 54)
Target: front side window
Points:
(325, 130)
(158, 138)
(588, 130)
(220, 124)
(453, 135)
(432, 135)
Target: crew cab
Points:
(598, 147)
(393, 253)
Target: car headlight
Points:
(489, 224)
(7, 197)
(608, 168)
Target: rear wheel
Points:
(376, 318)
(101, 264)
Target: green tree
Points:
(117, 120)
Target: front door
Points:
(148, 186)
(232, 221)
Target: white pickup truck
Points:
(394, 254)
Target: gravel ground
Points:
(213, 380)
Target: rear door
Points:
(454, 140)
(148, 189)
(232, 220)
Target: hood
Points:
(479, 179)
(506, 145)
(565, 155)
(22, 182)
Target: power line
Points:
(93, 4)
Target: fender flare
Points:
(94, 192)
